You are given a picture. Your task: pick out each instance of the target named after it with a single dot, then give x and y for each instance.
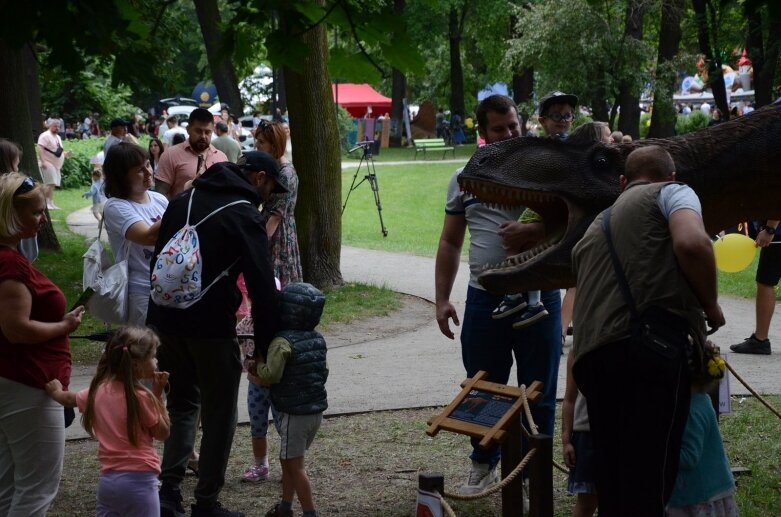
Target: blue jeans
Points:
(490, 345)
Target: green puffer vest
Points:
(301, 390)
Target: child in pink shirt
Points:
(125, 417)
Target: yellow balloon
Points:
(734, 252)
(469, 123)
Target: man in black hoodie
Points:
(198, 344)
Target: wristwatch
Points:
(769, 229)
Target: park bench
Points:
(432, 144)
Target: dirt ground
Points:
(359, 465)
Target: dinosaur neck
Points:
(734, 167)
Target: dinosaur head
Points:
(567, 184)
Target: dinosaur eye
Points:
(600, 160)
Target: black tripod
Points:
(371, 175)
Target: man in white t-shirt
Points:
(173, 128)
(52, 157)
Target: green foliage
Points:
(691, 122)
(347, 128)
(645, 124)
(77, 171)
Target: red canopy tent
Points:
(356, 98)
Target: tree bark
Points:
(33, 90)
(16, 123)
(220, 63)
(664, 113)
(763, 57)
(316, 156)
(629, 99)
(599, 109)
(455, 29)
(523, 88)
(398, 90)
(715, 74)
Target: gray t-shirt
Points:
(674, 197)
(119, 215)
(485, 245)
(111, 140)
(229, 146)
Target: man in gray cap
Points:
(118, 132)
(199, 346)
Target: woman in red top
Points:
(34, 349)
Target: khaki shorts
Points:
(296, 432)
(51, 175)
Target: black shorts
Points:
(582, 478)
(769, 268)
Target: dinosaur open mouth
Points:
(556, 213)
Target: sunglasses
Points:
(558, 117)
(27, 185)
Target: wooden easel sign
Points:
(483, 409)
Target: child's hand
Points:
(569, 455)
(159, 380)
(53, 386)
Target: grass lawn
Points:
(398, 154)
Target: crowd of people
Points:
(177, 364)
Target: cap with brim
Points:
(119, 122)
(557, 97)
(260, 161)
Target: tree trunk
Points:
(762, 57)
(15, 124)
(715, 74)
(316, 156)
(220, 64)
(398, 91)
(33, 90)
(664, 113)
(281, 92)
(599, 109)
(455, 29)
(523, 88)
(629, 99)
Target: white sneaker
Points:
(481, 476)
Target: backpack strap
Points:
(190, 203)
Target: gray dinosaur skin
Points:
(734, 167)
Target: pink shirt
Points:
(50, 141)
(179, 163)
(115, 451)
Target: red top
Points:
(34, 364)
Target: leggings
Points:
(258, 405)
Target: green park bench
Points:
(432, 144)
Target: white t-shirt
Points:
(168, 136)
(119, 215)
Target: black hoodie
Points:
(238, 232)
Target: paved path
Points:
(422, 368)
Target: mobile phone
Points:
(84, 298)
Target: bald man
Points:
(638, 395)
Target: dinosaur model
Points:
(734, 167)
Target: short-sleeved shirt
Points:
(179, 164)
(115, 451)
(119, 215)
(229, 146)
(485, 244)
(49, 141)
(111, 140)
(675, 196)
(34, 364)
(168, 135)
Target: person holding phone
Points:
(34, 349)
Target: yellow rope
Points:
(446, 507)
(527, 411)
(561, 467)
(751, 390)
(498, 486)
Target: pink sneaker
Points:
(255, 473)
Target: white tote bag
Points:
(109, 280)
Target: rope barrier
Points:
(498, 486)
(527, 411)
(446, 507)
(561, 467)
(752, 391)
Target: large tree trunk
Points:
(628, 98)
(398, 91)
(316, 158)
(33, 90)
(523, 88)
(220, 63)
(599, 109)
(763, 57)
(715, 74)
(455, 29)
(16, 123)
(664, 114)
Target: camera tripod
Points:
(371, 176)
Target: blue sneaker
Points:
(532, 315)
(510, 304)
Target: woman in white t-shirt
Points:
(132, 217)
